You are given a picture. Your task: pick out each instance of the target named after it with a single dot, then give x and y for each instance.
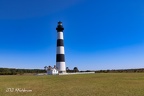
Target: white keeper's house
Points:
(52, 70)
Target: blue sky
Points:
(99, 34)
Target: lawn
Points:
(99, 84)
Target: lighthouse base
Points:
(62, 72)
(61, 67)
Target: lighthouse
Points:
(60, 54)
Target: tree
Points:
(45, 68)
(67, 68)
(76, 69)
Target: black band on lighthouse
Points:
(60, 58)
(59, 27)
(60, 42)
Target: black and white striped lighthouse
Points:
(60, 55)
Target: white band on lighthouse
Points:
(61, 66)
(60, 50)
(60, 35)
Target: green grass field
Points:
(99, 84)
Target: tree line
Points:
(121, 71)
(13, 71)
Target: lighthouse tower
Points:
(60, 56)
